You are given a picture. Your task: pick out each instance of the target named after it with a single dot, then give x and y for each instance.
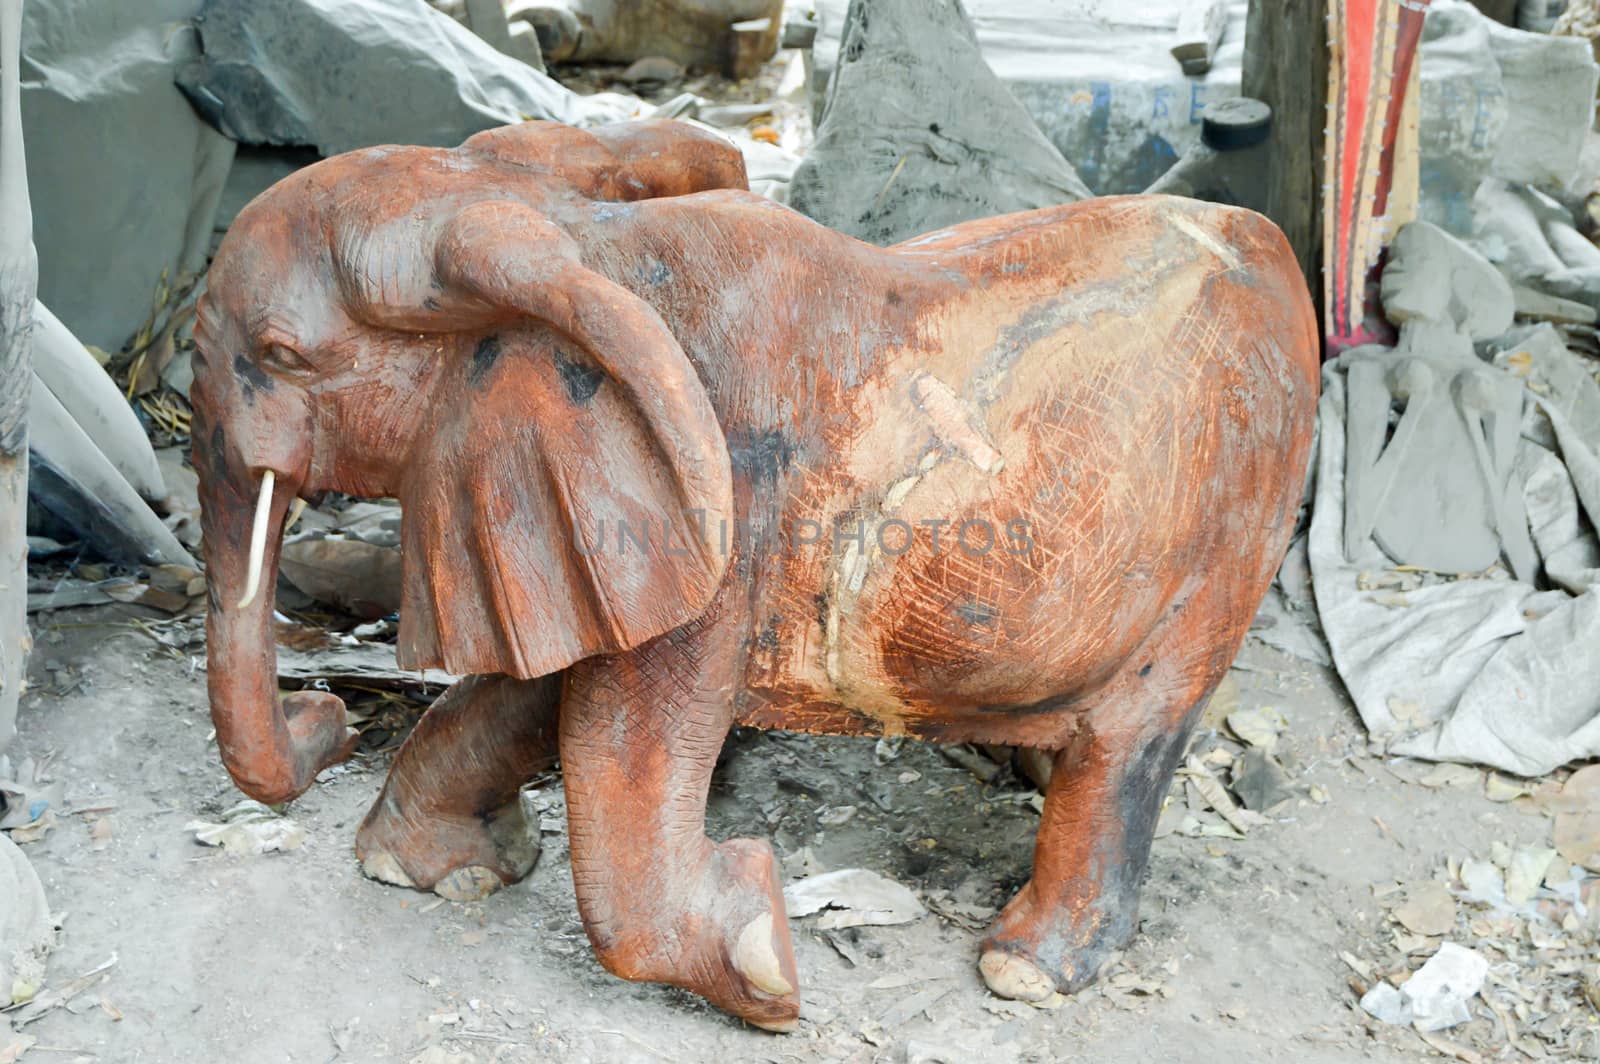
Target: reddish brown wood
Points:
(1074, 439)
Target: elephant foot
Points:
(1033, 952)
(764, 985)
(1016, 977)
(730, 944)
(461, 858)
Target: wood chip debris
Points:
(54, 997)
(852, 897)
(1216, 796)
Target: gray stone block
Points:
(343, 74)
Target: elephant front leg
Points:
(450, 818)
(661, 902)
(1082, 901)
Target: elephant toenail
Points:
(757, 961)
(1010, 976)
(471, 883)
(385, 869)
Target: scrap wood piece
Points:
(371, 663)
(1217, 797)
(68, 593)
(1200, 27)
(141, 594)
(751, 42)
(969, 757)
(799, 29)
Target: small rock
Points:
(1259, 781)
(1257, 727)
(1577, 831)
(1524, 872)
(832, 816)
(1428, 910)
(652, 69)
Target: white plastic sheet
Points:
(1490, 671)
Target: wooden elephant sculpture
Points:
(672, 456)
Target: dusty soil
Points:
(295, 956)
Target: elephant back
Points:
(1117, 406)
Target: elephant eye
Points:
(286, 360)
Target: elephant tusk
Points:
(258, 539)
(296, 508)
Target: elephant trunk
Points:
(273, 749)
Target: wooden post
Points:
(24, 930)
(1371, 162)
(19, 276)
(1286, 67)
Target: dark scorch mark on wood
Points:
(252, 378)
(484, 356)
(580, 378)
(762, 455)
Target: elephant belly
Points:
(1079, 450)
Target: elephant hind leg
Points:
(449, 818)
(1082, 901)
(661, 902)
(1101, 806)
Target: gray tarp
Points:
(345, 74)
(1497, 102)
(1491, 671)
(124, 175)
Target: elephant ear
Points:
(569, 497)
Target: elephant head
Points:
(516, 402)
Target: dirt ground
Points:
(296, 957)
